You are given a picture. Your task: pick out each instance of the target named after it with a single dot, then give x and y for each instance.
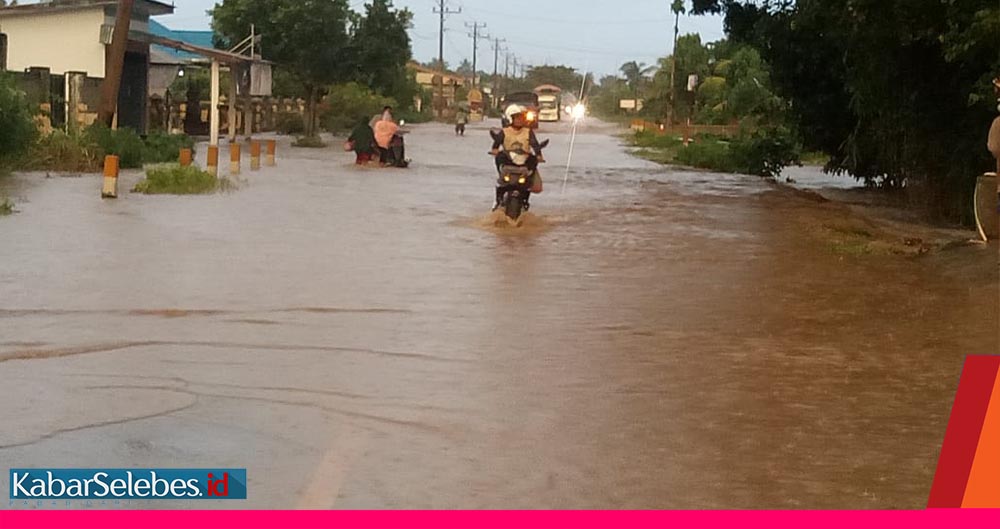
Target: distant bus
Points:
(528, 100)
(549, 102)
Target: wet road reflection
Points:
(357, 338)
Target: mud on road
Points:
(357, 338)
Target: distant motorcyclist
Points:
(520, 147)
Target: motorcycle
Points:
(515, 183)
(395, 155)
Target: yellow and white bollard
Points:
(185, 157)
(110, 188)
(234, 158)
(272, 147)
(213, 160)
(254, 155)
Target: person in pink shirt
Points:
(389, 140)
(384, 131)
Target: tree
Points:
(17, 125)
(464, 69)
(635, 73)
(603, 99)
(308, 39)
(690, 57)
(381, 46)
(562, 76)
(895, 91)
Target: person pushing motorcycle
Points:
(520, 147)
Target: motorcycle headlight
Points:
(531, 116)
(506, 178)
(521, 180)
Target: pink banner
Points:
(930, 519)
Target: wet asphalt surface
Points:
(648, 338)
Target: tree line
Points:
(317, 44)
(896, 92)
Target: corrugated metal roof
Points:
(201, 39)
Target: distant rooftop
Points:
(196, 38)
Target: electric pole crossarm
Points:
(476, 37)
(443, 11)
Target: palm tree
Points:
(678, 9)
(635, 73)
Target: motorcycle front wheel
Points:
(514, 207)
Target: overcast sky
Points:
(587, 34)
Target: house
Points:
(442, 85)
(71, 37)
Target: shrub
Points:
(349, 104)
(164, 148)
(173, 179)
(17, 126)
(64, 152)
(309, 142)
(124, 143)
(6, 206)
(766, 152)
(712, 154)
(289, 123)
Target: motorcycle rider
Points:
(517, 141)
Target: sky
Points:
(590, 35)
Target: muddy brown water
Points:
(357, 338)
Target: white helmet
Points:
(513, 110)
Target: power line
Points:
(476, 36)
(443, 10)
(533, 18)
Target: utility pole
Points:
(678, 8)
(496, 67)
(496, 56)
(476, 36)
(115, 63)
(443, 10)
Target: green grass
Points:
(656, 141)
(661, 156)
(705, 152)
(851, 231)
(309, 142)
(6, 206)
(165, 148)
(84, 151)
(708, 153)
(815, 159)
(64, 152)
(854, 248)
(172, 179)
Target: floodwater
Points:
(357, 338)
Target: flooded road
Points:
(358, 338)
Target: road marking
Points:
(331, 473)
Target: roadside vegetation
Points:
(763, 152)
(17, 127)
(6, 206)
(902, 105)
(344, 64)
(174, 179)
